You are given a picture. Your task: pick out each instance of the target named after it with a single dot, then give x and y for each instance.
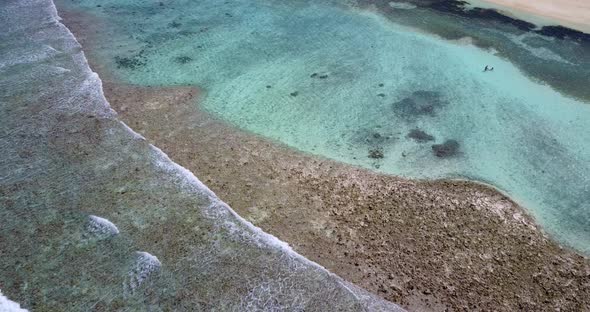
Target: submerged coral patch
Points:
(420, 136)
(449, 148)
(420, 103)
(131, 62)
(174, 24)
(372, 138)
(183, 59)
(376, 154)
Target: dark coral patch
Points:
(320, 76)
(376, 154)
(561, 32)
(448, 149)
(420, 103)
(372, 138)
(174, 25)
(420, 136)
(183, 59)
(132, 62)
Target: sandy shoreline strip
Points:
(574, 14)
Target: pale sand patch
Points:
(574, 14)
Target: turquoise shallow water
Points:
(355, 86)
(94, 218)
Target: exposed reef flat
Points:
(427, 245)
(353, 98)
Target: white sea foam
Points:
(402, 5)
(7, 305)
(25, 55)
(144, 266)
(219, 211)
(101, 227)
(540, 52)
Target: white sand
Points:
(570, 13)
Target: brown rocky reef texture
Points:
(431, 246)
(427, 245)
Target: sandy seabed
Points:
(429, 246)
